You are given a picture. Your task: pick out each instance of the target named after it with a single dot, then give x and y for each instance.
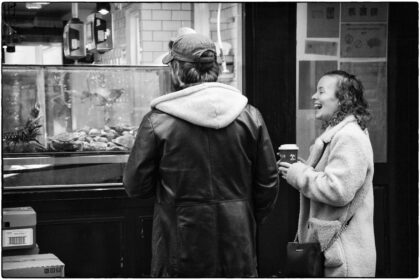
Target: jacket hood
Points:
(214, 105)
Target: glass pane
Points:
(45, 53)
(22, 128)
(73, 125)
(347, 36)
(142, 32)
(132, 33)
(67, 126)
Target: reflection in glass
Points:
(73, 126)
(77, 109)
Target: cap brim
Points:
(167, 58)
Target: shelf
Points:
(22, 163)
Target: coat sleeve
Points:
(140, 173)
(344, 173)
(266, 178)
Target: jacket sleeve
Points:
(344, 173)
(140, 173)
(266, 179)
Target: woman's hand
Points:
(283, 168)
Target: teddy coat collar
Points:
(325, 138)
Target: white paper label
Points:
(18, 237)
(74, 44)
(101, 35)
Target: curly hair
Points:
(351, 101)
(191, 73)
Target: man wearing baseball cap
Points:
(206, 156)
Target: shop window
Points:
(34, 54)
(51, 109)
(142, 32)
(348, 36)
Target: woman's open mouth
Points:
(317, 106)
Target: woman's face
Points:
(324, 99)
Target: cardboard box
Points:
(43, 265)
(18, 231)
(19, 252)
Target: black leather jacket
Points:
(212, 186)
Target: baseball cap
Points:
(189, 48)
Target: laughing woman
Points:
(335, 184)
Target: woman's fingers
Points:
(283, 171)
(283, 164)
(283, 167)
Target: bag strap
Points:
(354, 204)
(336, 236)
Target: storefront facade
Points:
(87, 220)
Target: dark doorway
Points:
(270, 59)
(401, 258)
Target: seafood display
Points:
(52, 109)
(119, 138)
(22, 139)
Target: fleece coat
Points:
(337, 189)
(206, 156)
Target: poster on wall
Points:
(364, 12)
(374, 80)
(323, 20)
(320, 47)
(309, 74)
(363, 40)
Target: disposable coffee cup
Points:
(288, 153)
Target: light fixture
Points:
(35, 5)
(103, 8)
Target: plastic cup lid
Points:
(289, 147)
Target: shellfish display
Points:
(119, 138)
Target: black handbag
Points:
(304, 260)
(307, 259)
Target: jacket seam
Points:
(211, 163)
(153, 130)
